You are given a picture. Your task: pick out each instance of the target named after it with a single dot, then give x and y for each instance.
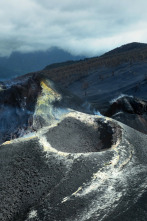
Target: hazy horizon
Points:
(88, 28)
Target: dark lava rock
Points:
(130, 111)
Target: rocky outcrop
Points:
(130, 111)
(17, 106)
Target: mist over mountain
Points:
(21, 63)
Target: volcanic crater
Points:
(76, 136)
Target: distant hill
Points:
(61, 64)
(22, 63)
(67, 73)
(126, 48)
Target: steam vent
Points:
(60, 162)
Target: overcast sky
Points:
(86, 27)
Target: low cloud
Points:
(84, 27)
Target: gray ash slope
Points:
(59, 161)
(121, 81)
(107, 83)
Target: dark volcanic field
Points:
(60, 159)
